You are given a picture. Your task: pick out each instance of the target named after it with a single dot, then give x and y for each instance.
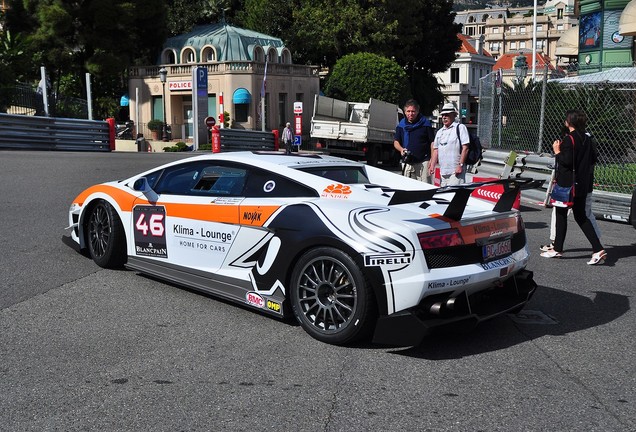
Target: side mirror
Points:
(141, 185)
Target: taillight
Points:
(440, 239)
(521, 226)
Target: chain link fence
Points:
(527, 116)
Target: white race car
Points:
(350, 250)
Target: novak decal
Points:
(387, 259)
(255, 299)
(252, 216)
(150, 231)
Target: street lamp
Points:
(163, 75)
(521, 67)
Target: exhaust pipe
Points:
(438, 307)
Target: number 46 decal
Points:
(150, 222)
(155, 223)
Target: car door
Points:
(193, 220)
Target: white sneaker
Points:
(546, 248)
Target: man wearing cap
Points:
(413, 137)
(450, 148)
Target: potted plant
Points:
(155, 127)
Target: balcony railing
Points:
(247, 67)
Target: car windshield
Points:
(345, 175)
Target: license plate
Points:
(494, 250)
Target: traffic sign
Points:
(297, 140)
(298, 107)
(210, 121)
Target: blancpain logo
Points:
(387, 259)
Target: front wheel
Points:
(106, 237)
(330, 297)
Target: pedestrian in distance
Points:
(412, 139)
(450, 148)
(575, 156)
(288, 138)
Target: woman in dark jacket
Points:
(575, 157)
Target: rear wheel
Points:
(331, 298)
(106, 237)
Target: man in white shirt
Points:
(450, 148)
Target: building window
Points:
(157, 108)
(513, 45)
(522, 30)
(559, 13)
(495, 29)
(209, 55)
(482, 29)
(559, 27)
(539, 27)
(471, 31)
(540, 44)
(300, 97)
(282, 109)
(513, 30)
(241, 112)
(522, 44)
(454, 75)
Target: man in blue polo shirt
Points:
(413, 138)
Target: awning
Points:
(241, 96)
(626, 75)
(627, 23)
(124, 101)
(568, 43)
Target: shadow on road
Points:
(572, 313)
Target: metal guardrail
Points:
(606, 205)
(51, 133)
(240, 139)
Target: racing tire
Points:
(105, 236)
(331, 298)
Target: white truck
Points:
(355, 130)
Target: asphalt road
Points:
(83, 348)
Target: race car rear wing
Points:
(462, 192)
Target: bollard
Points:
(276, 139)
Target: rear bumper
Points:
(463, 311)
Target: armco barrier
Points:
(50, 133)
(607, 205)
(240, 139)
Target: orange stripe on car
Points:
(124, 199)
(223, 213)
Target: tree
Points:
(358, 77)
(183, 15)
(326, 30)
(103, 37)
(428, 43)
(271, 17)
(12, 61)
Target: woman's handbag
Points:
(562, 196)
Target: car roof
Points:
(295, 160)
